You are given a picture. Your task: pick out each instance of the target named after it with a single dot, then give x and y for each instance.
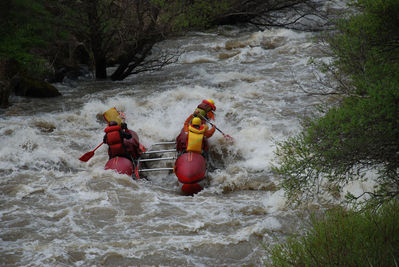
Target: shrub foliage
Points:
(345, 238)
(362, 132)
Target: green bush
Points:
(362, 132)
(345, 238)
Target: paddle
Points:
(142, 148)
(228, 137)
(137, 169)
(90, 154)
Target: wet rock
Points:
(45, 127)
(223, 56)
(8, 68)
(30, 87)
(5, 92)
(65, 74)
(271, 42)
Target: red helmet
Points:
(210, 102)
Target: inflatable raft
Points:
(190, 165)
(190, 169)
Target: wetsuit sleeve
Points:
(136, 152)
(205, 145)
(210, 132)
(187, 122)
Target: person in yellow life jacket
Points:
(194, 140)
(203, 110)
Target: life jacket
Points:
(115, 141)
(195, 139)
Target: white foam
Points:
(358, 188)
(275, 202)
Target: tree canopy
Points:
(46, 34)
(26, 29)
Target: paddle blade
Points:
(87, 156)
(142, 148)
(136, 171)
(228, 138)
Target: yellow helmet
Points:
(196, 121)
(211, 101)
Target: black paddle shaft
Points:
(214, 125)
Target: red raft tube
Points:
(190, 169)
(121, 165)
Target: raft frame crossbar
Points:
(160, 151)
(157, 159)
(165, 143)
(156, 169)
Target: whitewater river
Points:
(58, 211)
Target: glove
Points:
(127, 135)
(123, 126)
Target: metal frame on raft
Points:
(160, 151)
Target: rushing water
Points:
(56, 210)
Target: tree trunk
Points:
(130, 62)
(101, 66)
(96, 38)
(118, 73)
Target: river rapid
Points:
(57, 211)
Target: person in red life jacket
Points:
(195, 140)
(131, 145)
(116, 136)
(205, 110)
